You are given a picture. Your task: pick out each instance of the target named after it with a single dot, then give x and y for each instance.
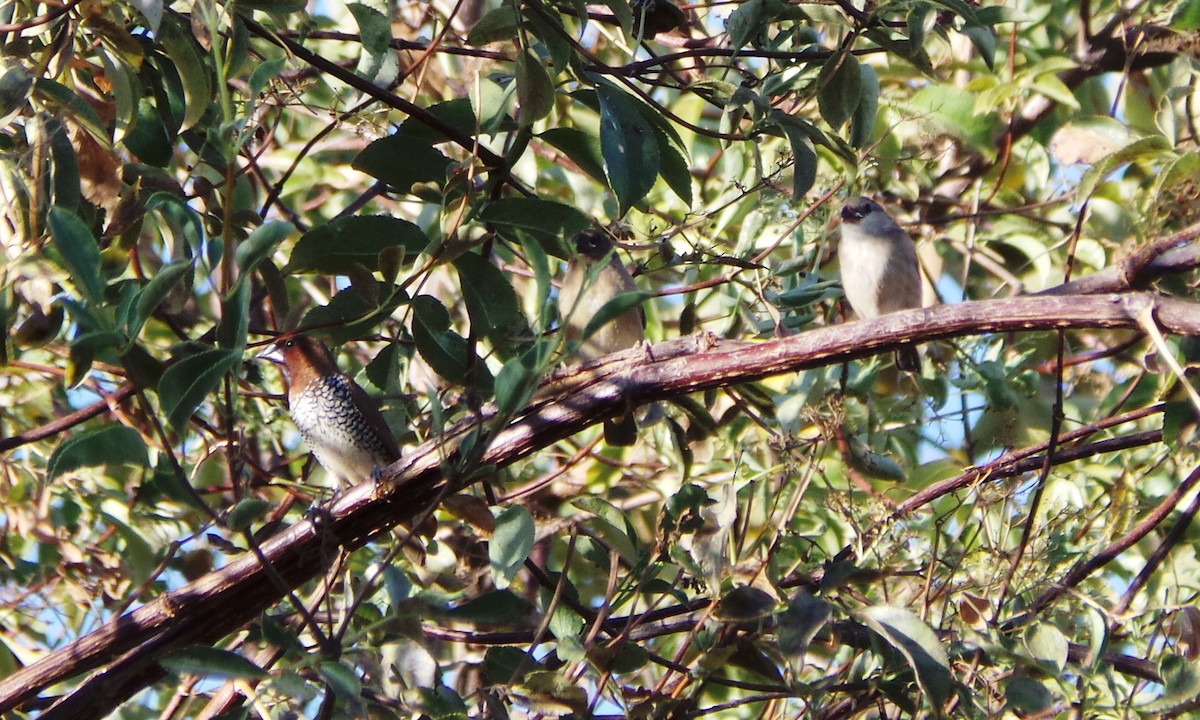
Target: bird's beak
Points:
(271, 354)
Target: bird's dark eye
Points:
(289, 343)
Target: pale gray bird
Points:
(584, 291)
(879, 268)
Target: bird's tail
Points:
(908, 359)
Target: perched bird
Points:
(879, 268)
(587, 288)
(336, 417)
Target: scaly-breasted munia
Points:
(584, 291)
(879, 268)
(337, 419)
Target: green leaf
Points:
(1187, 16)
(1181, 683)
(261, 77)
(353, 313)
(615, 308)
(491, 301)
(149, 139)
(862, 122)
(919, 645)
(796, 627)
(502, 665)
(548, 28)
(446, 351)
(535, 89)
(402, 160)
(341, 679)
(1147, 148)
(189, 63)
(583, 149)
(109, 445)
(80, 252)
(804, 161)
(984, 41)
(535, 215)
(188, 382)
(157, 290)
(952, 111)
(1026, 695)
(374, 30)
(59, 99)
(498, 607)
(245, 512)
(623, 11)
(259, 246)
(675, 171)
(747, 21)
(271, 6)
(15, 87)
(234, 326)
(627, 142)
(614, 536)
(497, 25)
(510, 544)
(840, 83)
(67, 194)
(336, 247)
(1048, 646)
(514, 385)
(212, 663)
(744, 603)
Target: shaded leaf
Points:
(211, 662)
(401, 160)
(188, 382)
(342, 679)
(336, 247)
(109, 445)
(840, 83)
(80, 251)
(498, 607)
(535, 89)
(535, 215)
(504, 665)
(1048, 646)
(497, 25)
(188, 59)
(862, 121)
(582, 148)
(355, 313)
(156, 291)
(631, 155)
(510, 544)
(446, 351)
(919, 645)
(796, 626)
(491, 301)
(744, 603)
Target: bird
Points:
(587, 288)
(879, 268)
(337, 419)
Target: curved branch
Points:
(219, 603)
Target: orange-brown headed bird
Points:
(578, 303)
(336, 417)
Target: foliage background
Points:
(1007, 534)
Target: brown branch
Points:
(468, 143)
(68, 421)
(1081, 571)
(215, 605)
(40, 20)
